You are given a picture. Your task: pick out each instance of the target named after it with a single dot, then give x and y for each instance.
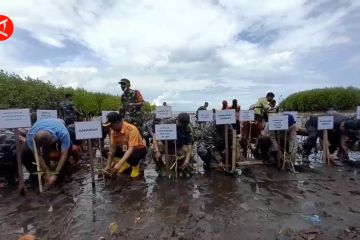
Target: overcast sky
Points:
(189, 51)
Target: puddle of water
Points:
(196, 192)
(150, 176)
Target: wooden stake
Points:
(176, 160)
(167, 164)
(36, 155)
(101, 162)
(284, 156)
(91, 164)
(227, 147)
(249, 141)
(19, 164)
(233, 150)
(326, 158)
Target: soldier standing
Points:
(67, 110)
(131, 101)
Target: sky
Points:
(186, 52)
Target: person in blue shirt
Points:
(50, 135)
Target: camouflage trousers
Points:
(136, 120)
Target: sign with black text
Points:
(165, 132)
(88, 130)
(278, 122)
(163, 112)
(325, 122)
(247, 115)
(205, 116)
(104, 115)
(42, 114)
(225, 117)
(15, 118)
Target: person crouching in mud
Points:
(126, 146)
(268, 149)
(52, 141)
(183, 144)
(343, 130)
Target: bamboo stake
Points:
(91, 165)
(284, 152)
(233, 150)
(167, 158)
(36, 155)
(176, 160)
(249, 141)
(325, 148)
(227, 147)
(101, 162)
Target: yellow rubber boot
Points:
(124, 167)
(135, 171)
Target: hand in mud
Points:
(46, 177)
(52, 180)
(185, 164)
(106, 170)
(116, 168)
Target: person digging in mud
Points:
(54, 147)
(126, 146)
(131, 104)
(183, 144)
(209, 145)
(343, 129)
(267, 148)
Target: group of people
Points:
(53, 144)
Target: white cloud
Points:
(178, 50)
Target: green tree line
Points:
(336, 98)
(17, 92)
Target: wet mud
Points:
(262, 203)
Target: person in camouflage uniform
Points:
(210, 144)
(67, 110)
(131, 104)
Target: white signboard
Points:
(88, 130)
(246, 115)
(278, 122)
(163, 112)
(205, 116)
(165, 132)
(15, 118)
(358, 112)
(225, 117)
(325, 122)
(293, 113)
(103, 116)
(42, 114)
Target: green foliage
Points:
(323, 99)
(31, 93)
(148, 107)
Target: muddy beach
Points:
(262, 203)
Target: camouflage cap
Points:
(124, 81)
